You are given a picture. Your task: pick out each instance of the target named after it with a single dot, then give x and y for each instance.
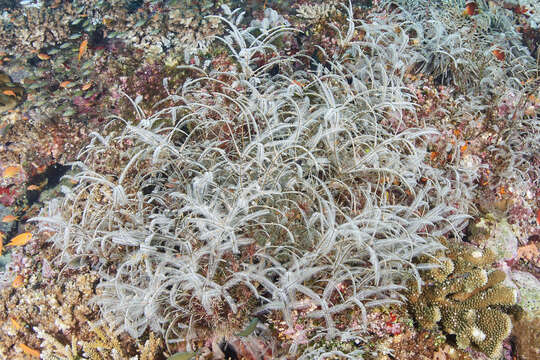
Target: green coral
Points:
(465, 298)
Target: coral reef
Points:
(61, 57)
(9, 4)
(102, 344)
(484, 104)
(316, 12)
(73, 332)
(270, 188)
(465, 299)
(284, 173)
(49, 27)
(32, 307)
(467, 49)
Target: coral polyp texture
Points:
(466, 299)
(272, 184)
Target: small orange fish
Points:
(520, 10)
(471, 8)
(18, 281)
(29, 351)
(433, 155)
(33, 187)
(9, 218)
(41, 169)
(15, 324)
(11, 171)
(86, 86)
(43, 56)
(538, 216)
(499, 54)
(20, 239)
(463, 148)
(9, 93)
(82, 48)
(63, 84)
(298, 83)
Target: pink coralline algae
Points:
(7, 196)
(85, 106)
(381, 325)
(297, 334)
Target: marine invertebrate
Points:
(478, 51)
(258, 192)
(495, 233)
(30, 306)
(465, 299)
(315, 12)
(103, 344)
(489, 115)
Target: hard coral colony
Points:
(293, 188)
(466, 298)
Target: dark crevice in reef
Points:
(228, 350)
(148, 189)
(133, 5)
(445, 79)
(97, 38)
(51, 176)
(54, 173)
(9, 4)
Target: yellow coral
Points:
(106, 342)
(497, 327)
(465, 299)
